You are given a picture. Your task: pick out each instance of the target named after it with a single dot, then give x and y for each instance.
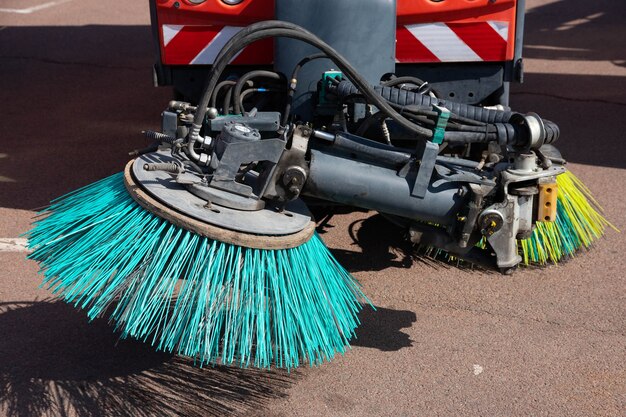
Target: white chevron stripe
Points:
(443, 42)
(502, 28)
(169, 31)
(208, 54)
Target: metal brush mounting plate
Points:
(164, 188)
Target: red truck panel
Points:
(427, 31)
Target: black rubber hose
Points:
(386, 155)
(369, 122)
(455, 133)
(293, 83)
(344, 66)
(403, 80)
(376, 96)
(244, 94)
(268, 29)
(215, 73)
(227, 100)
(228, 97)
(244, 79)
(430, 113)
(217, 90)
(303, 62)
(422, 86)
(455, 137)
(404, 98)
(552, 131)
(249, 91)
(372, 151)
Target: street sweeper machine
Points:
(204, 245)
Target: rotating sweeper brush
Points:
(203, 245)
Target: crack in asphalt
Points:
(575, 99)
(521, 319)
(75, 63)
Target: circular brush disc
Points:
(160, 194)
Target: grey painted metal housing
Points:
(164, 188)
(363, 31)
(377, 188)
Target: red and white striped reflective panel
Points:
(452, 42)
(423, 42)
(199, 45)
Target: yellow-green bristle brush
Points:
(579, 222)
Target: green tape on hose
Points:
(442, 122)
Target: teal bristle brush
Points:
(189, 294)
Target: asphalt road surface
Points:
(75, 91)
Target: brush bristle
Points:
(190, 295)
(578, 224)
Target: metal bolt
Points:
(212, 113)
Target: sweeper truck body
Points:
(205, 246)
(422, 56)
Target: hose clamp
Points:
(536, 130)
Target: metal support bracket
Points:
(291, 172)
(237, 154)
(503, 241)
(429, 151)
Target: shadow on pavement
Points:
(380, 329)
(586, 101)
(591, 125)
(56, 363)
(382, 245)
(584, 30)
(73, 102)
